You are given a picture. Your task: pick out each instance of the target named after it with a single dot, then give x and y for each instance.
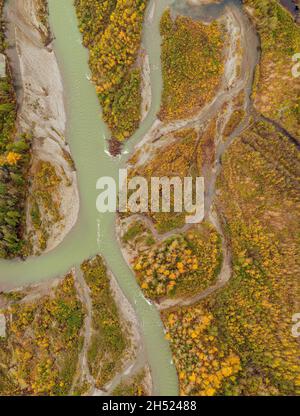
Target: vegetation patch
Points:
(14, 163)
(276, 91)
(182, 265)
(44, 201)
(132, 387)
(204, 365)
(181, 158)
(109, 339)
(112, 33)
(133, 231)
(39, 355)
(234, 121)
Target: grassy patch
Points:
(234, 121)
(134, 230)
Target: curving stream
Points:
(95, 233)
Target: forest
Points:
(41, 352)
(14, 163)
(112, 32)
(39, 356)
(239, 341)
(280, 41)
(110, 339)
(191, 74)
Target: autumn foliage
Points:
(204, 365)
(276, 90)
(254, 311)
(109, 340)
(112, 32)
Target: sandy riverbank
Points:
(41, 112)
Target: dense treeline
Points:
(40, 353)
(280, 41)
(178, 160)
(109, 340)
(239, 341)
(254, 312)
(112, 32)
(182, 265)
(14, 161)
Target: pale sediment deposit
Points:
(41, 113)
(2, 326)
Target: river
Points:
(87, 136)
